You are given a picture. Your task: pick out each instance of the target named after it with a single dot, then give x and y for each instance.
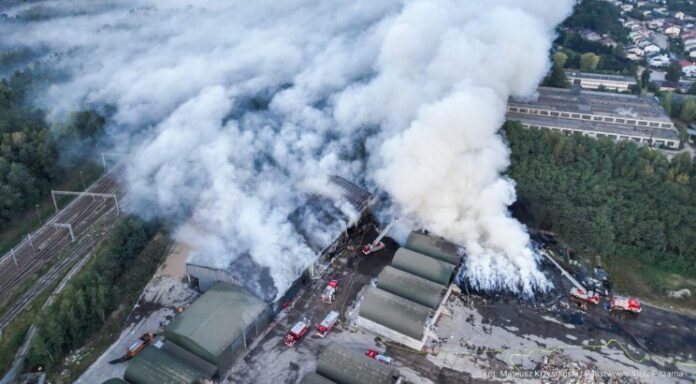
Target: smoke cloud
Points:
(233, 113)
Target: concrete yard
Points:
(156, 306)
(480, 338)
(486, 339)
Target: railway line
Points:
(52, 246)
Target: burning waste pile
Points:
(234, 113)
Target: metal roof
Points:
(320, 219)
(600, 76)
(410, 286)
(154, 366)
(595, 126)
(432, 246)
(214, 321)
(346, 366)
(329, 210)
(423, 266)
(597, 103)
(315, 378)
(402, 315)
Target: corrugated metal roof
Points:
(154, 366)
(410, 286)
(214, 321)
(402, 315)
(357, 196)
(423, 266)
(315, 378)
(436, 247)
(346, 366)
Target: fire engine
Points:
(329, 292)
(140, 344)
(622, 303)
(297, 332)
(378, 245)
(327, 324)
(584, 296)
(378, 356)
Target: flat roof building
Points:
(596, 80)
(615, 116)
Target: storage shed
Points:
(410, 286)
(424, 266)
(341, 365)
(154, 366)
(434, 247)
(389, 310)
(219, 324)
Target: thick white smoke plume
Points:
(231, 109)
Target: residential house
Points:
(672, 30)
(659, 61)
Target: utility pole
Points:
(14, 258)
(38, 214)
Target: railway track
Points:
(90, 218)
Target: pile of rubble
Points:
(559, 368)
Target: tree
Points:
(557, 78)
(613, 198)
(559, 59)
(588, 61)
(619, 49)
(688, 111)
(692, 89)
(645, 77)
(674, 72)
(667, 103)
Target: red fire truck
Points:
(327, 324)
(297, 332)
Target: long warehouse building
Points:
(322, 222)
(618, 117)
(410, 293)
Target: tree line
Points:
(95, 292)
(29, 148)
(607, 198)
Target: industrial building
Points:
(154, 366)
(596, 80)
(596, 114)
(322, 222)
(409, 294)
(219, 324)
(203, 342)
(339, 365)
